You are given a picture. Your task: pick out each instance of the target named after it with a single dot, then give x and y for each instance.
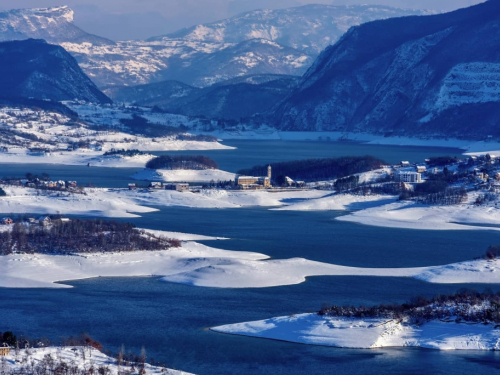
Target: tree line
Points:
(123, 152)
(318, 169)
(80, 236)
(465, 305)
(182, 162)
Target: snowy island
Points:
(467, 321)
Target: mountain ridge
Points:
(33, 68)
(400, 76)
(55, 25)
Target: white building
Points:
(408, 176)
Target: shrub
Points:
(182, 162)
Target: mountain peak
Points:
(55, 25)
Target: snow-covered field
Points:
(411, 215)
(376, 210)
(339, 202)
(125, 203)
(81, 357)
(80, 157)
(53, 133)
(200, 265)
(184, 175)
(369, 333)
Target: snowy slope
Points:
(191, 62)
(369, 333)
(80, 357)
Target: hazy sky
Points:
(138, 19)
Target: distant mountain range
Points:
(34, 69)
(234, 99)
(54, 25)
(260, 42)
(432, 75)
(309, 29)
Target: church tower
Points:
(269, 171)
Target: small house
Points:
(44, 221)
(4, 351)
(131, 186)
(421, 168)
(72, 184)
(61, 184)
(405, 163)
(155, 185)
(177, 187)
(7, 221)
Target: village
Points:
(409, 180)
(434, 175)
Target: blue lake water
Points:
(247, 154)
(171, 320)
(250, 153)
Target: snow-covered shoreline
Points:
(108, 202)
(97, 159)
(374, 210)
(411, 215)
(369, 333)
(469, 146)
(80, 357)
(200, 265)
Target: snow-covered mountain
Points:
(259, 42)
(432, 75)
(195, 63)
(55, 25)
(309, 28)
(34, 69)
